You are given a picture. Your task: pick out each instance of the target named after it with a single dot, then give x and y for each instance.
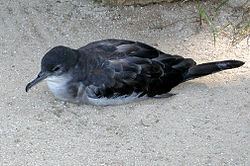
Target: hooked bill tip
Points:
(27, 87)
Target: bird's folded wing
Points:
(133, 66)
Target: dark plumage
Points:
(118, 69)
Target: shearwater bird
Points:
(113, 71)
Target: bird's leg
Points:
(92, 91)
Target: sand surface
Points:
(207, 122)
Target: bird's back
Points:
(123, 67)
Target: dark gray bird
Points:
(115, 71)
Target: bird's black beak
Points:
(41, 76)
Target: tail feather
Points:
(209, 68)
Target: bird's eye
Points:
(56, 68)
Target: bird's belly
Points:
(58, 86)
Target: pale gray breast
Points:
(58, 86)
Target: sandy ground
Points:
(206, 123)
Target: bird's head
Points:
(56, 62)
